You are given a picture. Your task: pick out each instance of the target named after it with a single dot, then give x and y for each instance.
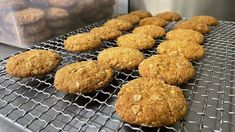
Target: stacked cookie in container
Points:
(155, 98)
(26, 22)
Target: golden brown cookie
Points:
(82, 42)
(150, 102)
(62, 3)
(54, 13)
(32, 63)
(194, 25)
(106, 33)
(136, 41)
(133, 19)
(153, 21)
(189, 50)
(118, 24)
(171, 69)
(141, 13)
(151, 30)
(185, 34)
(82, 77)
(169, 16)
(121, 58)
(209, 20)
(25, 16)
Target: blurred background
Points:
(221, 9)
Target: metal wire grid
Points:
(33, 104)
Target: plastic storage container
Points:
(24, 23)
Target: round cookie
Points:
(194, 25)
(189, 50)
(32, 63)
(171, 69)
(121, 58)
(106, 33)
(133, 19)
(150, 102)
(54, 13)
(185, 34)
(153, 21)
(136, 41)
(29, 28)
(26, 16)
(141, 13)
(83, 77)
(151, 30)
(82, 42)
(209, 20)
(169, 16)
(118, 24)
(62, 3)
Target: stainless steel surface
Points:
(35, 105)
(221, 9)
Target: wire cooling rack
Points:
(33, 104)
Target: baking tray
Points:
(33, 104)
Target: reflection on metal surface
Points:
(221, 9)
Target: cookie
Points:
(25, 16)
(189, 50)
(185, 34)
(118, 24)
(121, 58)
(133, 19)
(62, 3)
(13, 5)
(106, 33)
(136, 41)
(82, 42)
(29, 28)
(209, 20)
(58, 23)
(35, 38)
(151, 30)
(171, 69)
(150, 102)
(141, 13)
(153, 21)
(194, 25)
(32, 63)
(54, 13)
(169, 16)
(82, 77)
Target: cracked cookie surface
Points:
(32, 63)
(173, 70)
(150, 102)
(82, 77)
